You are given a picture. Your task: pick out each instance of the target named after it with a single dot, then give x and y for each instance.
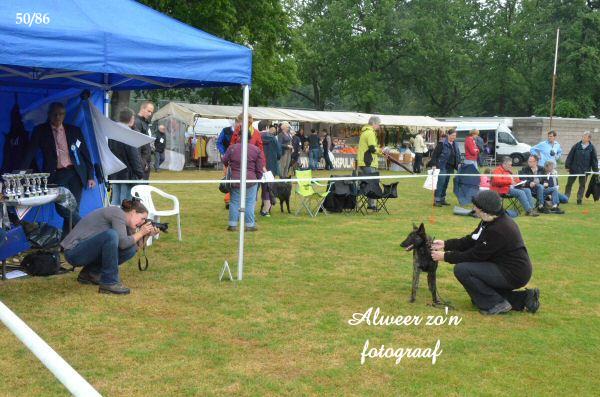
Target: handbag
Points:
(225, 187)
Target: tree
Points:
(262, 25)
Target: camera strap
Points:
(143, 252)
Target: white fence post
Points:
(74, 382)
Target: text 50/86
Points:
(32, 18)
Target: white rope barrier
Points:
(322, 179)
(74, 382)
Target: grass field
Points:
(284, 329)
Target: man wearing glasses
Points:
(65, 156)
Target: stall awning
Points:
(186, 112)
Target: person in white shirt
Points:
(420, 150)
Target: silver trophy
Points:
(38, 187)
(13, 182)
(45, 181)
(12, 193)
(27, 185)
(19, 186)
(6, 186)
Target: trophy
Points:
(38, 189)
(45, 181)
(13, 184)
(27, 185)
(19, 186)
(6, 186)
(11, 187)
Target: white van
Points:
(498, 139)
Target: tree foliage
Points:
(262, 25)
(445, 57)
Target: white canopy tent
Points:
(187, 112)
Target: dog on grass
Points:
(281, 191)
(419, 243)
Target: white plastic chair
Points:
(144, 193)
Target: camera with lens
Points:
(552, 153)
(163, 227)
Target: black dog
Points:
(282, 191)
(419, 243)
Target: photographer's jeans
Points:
(101, 254)
(234, 205)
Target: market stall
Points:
(346, 124)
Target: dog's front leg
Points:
(431, 283)
(415, 282)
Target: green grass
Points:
(284, 330)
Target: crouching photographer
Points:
(103, 240)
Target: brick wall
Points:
(532, 130)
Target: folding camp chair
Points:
(312, 201)
(513, 203)
(342, 195)
(389, 191)
(369, 189)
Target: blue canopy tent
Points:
(47, 46)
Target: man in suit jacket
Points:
(65, 157)
(142, 124)
(130, 156)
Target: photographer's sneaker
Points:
(117, 288)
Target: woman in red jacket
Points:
(471, 149)
(255, 137)
(507, 185)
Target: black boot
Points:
(532, 301)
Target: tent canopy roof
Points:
(186, 112)
(112, 45)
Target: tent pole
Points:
(106, 96)
(244, 139)
(104, 189)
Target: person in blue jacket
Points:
(446, 156)
(224, 139)
(548, 150)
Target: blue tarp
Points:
(466, 187)
(51, 49)
(123, 45)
